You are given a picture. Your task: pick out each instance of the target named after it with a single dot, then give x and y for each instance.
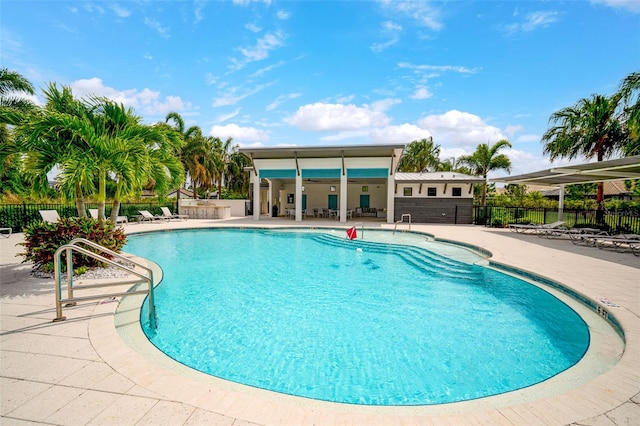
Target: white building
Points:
(346, 182)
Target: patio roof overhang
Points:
(622, 168)
(392, 151)
(333, 151)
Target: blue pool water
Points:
(319, 316)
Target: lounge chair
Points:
(119, 219)
(587, 236)
(146, 215)
(167, 213)
(50, 216)
(620, 243)
(534, 229)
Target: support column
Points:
(256, 197)
(391, 196)
(343, 198)
(561, 202)
(298, 197)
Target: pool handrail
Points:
(402, 220)
(73, 245)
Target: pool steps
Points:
(417, 257)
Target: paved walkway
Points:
(91, 369)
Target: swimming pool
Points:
(315, 315)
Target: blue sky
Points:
(283, 73)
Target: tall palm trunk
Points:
(484, 191)
(600, 196)
(82, 212)
(102, 193)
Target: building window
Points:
(408, 192)
(431, 192)
(456, 192)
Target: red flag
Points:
(351, 233)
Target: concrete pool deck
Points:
(82, 371)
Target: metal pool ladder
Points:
(75, 246)
(361, 228)
(402, 220)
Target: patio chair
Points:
(167, 213)
(50, 216)
(145, 215)
(119, 219)
(620, 243)
(534, 229)
(587, 236)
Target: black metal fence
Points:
(613, 221)
(18, 216)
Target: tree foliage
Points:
(419, 156)
(485, 159)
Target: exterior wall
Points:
(435, 209)
(237, 206)
(442, 190)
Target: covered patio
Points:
(330, 182)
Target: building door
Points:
(333, 201)
(304, 201)
(364, 201)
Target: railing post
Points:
(58, 288)
(70, 276)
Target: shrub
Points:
(42, 239)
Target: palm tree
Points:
(90, 140)
(238, 179)
(48, 142)
(12, 109)
(193, 148)
(485, 159)
(590, 128)
(223, 153)
(419, 156)
(629, 92)
(141, 154)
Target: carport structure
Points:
(622, 168)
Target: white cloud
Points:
(157, 26)
(198, 10)
(239, 134)
(247, 2)
(283, 15)
(210, 79)
(421, 12)
(90, 7)
(460, 129)
(146, 102)
(390, 29)
(120, 11)
(404, 133)
(253, 28)
(379, 47)
(232, 97)
(345, 99)
(533, 21)
(438, 68)
(421, 93)
(282, 99)
(225, 117)
(528, 138)
(260, 51)
(630, 5)
(512, 130)
(266, 69)
(336, 117)
(385, 104)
